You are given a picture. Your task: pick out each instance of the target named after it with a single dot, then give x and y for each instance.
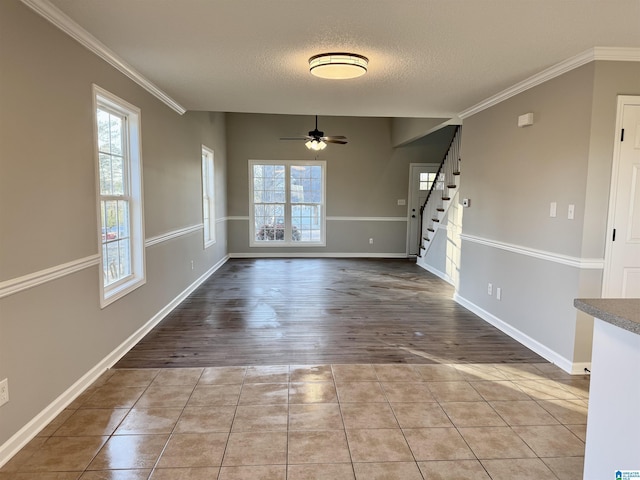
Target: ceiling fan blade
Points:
(297, 138)
(334, 137)
(334, 140)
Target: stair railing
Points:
(433, 208)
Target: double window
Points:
(119, 178)
(287, 203)
(208, 197)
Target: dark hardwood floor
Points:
(320, 311)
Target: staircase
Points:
(441, 195)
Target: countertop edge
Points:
(621, 312)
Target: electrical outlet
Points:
(490, 289)
(371, 241)
(498, 293)
(4, 391)
(571, 212)
(191, 264)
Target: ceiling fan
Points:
(316, 140)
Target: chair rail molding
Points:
(173, 234)
(576, 262)
(15, 285)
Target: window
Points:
(287, 203)
(427, 179)
(208, 198)
(119, 186)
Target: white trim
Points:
(15, 285)
(436, 272)
(343, 219)
(593, 54)
(172, 234)
(576, 262)
(316, 255)
(42, 419)
(222, 219)
(367, 219)
(523, 338)
(54, 15)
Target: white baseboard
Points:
(315, 255)
(51, 411)
(435, 271)
(579, 368)
(542, 350)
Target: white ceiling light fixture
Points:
(338, 66)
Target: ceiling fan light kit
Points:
(338, 66)
(316, 140)
(316, 145)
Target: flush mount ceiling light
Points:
(338, 66)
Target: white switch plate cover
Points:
(553, 209)
(498, 293)
(571, 212)
(401, 202)
(4, 391)
(490, 289)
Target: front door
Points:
(622, 259)
(420, 178)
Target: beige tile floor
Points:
(333, 422)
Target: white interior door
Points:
(622, 260)
(418, 189)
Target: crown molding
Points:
(54, 15)
(593, 54)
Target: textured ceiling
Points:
(428, 58)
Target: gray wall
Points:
(406, 130)
(54, 333)
(365, 178)
(512, 174)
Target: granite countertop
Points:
(621, 312)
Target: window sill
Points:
(111, 295)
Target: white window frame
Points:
(208, 197)
(287, 205)
(133, 194)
